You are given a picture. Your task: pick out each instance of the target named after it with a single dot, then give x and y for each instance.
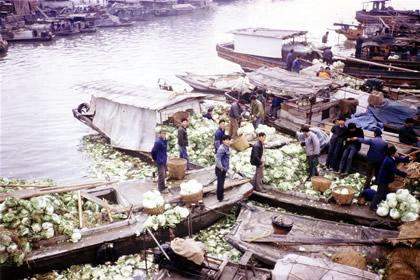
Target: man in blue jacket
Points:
(222, 166)
(387, 174)
(218, 136)
(375, 155)
(160, 157)
(289, 60)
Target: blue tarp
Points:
(391, 113)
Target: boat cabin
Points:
(272, 43)
(307, 99)
(128, 115)
(390, 48)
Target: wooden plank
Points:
(221, 268)
(245, 258)
(100, 202)
(58, 189)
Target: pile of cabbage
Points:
(213, 238)
(25, 221)
(355, 180)
(111, 163)
(153, 199)
(191, 187)
(200, 137)
(352, 82)
(169, 219)
(125, 268)
(285, 168)
(10, 184)
(400, 205)
(273, 138)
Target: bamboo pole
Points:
(79, 200)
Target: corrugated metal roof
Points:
(137, 96)
(267, 32)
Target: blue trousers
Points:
(221, 176)
(313, 165)
(183, 152)
(347, 158)
(335, 150)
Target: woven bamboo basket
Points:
(343, 199)
(320, 184)
(240, 144)
(398, 183)
(154, 211)
(177, 168)
(192, 198)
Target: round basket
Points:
(320, 184)
(177, 168)
(398, 183)
(192, 198)
(343, 199)
(154, 211)
(281, 225)
(240, 144)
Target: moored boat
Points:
(321, 208)
(218, 270)
(3, 45)
(247, 50)
(218, 84)
(34, 34)
(308, 236)
(147, 107)
(379, 11)
(129, 236)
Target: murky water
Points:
(39, 137)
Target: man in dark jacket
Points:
(235, 117)
(375, 155)
(222, 166)
(209, 114)
(218, 136)
(183, 139)
(275, 106)
(351, 147)
(289, 60)
(160, 157)
(387, 174)
(257, 160)
(335, 149)
(359, 43)
(327, 56)
(407, 135)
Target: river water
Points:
(39, 138)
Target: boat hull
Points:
(256, 223)
(122, 234)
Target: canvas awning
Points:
(128, 114)
(285, 83)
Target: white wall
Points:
(261, 46)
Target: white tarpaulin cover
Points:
(128, 114)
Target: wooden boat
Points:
(350, 31)
(379, 12)
(247, 52)
(159, 106)
(389, 58)
(28, 35)
(253, 232)
(320, 208)
(128, 236)
(218, 84)
(219, 270)
(3, 45)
